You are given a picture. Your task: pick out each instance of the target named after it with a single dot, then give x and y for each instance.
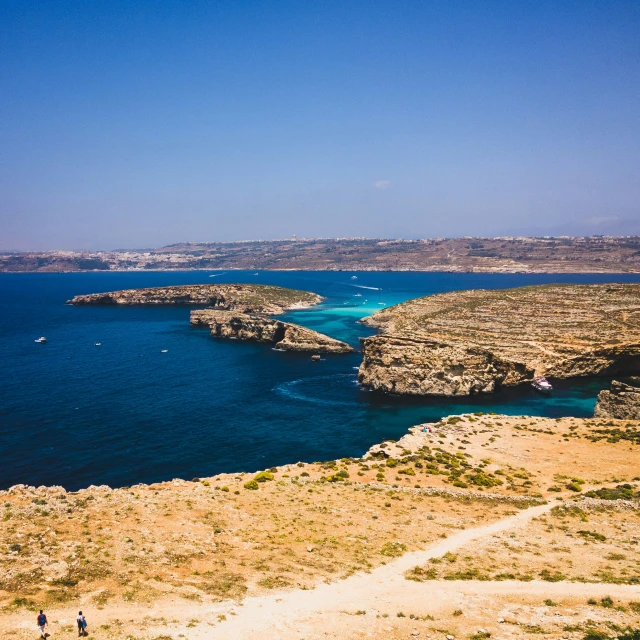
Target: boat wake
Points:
(361, 286)
(295, 389)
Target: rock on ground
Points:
(622, 401)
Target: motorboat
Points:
(97, 344)
(41, 340)
(540, 383)
(354, 277)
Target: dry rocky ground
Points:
(444, 533)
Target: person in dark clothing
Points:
(42, 623)
(82, 623)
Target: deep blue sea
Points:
(75, 414)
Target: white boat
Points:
(97, 344)
(164, 351)
(354, 277)
(41, 339)
(357, 295)
(540, 383)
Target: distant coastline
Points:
(587, 254)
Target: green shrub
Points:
(263, 476)
(391, 462)
(225, 488)
(483, 479)
(251, 485)
(393, 549)
(549, 576)
(418, 574)
(592, 534)
(573, 486)
(620, 492)
(408, 471)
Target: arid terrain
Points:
(479, 524)
(468, 342)
(590, 254)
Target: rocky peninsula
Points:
(237, 311)
(260, 328)
(468, 342)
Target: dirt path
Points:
(316, 614)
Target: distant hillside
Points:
(590, 254)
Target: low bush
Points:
(593, 535)
(393, 549)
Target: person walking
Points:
(42, 623)
(82, 623)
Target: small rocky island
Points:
(469, 342)
(236, 311)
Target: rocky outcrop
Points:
(240, 297)
(469, 342)
(285, 336)
(622, 401)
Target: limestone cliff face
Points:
(470, 342)
(258, 328)
(244, 298)
(622, 401)
(418, 366)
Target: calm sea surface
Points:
(76, 414)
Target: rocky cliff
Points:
(240, 297)
(468, 342)
(259, 328)
(622, 401)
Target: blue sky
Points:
(138, 124)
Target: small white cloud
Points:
(382, 184)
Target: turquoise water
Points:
(125, 412)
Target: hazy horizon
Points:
(139, 125)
